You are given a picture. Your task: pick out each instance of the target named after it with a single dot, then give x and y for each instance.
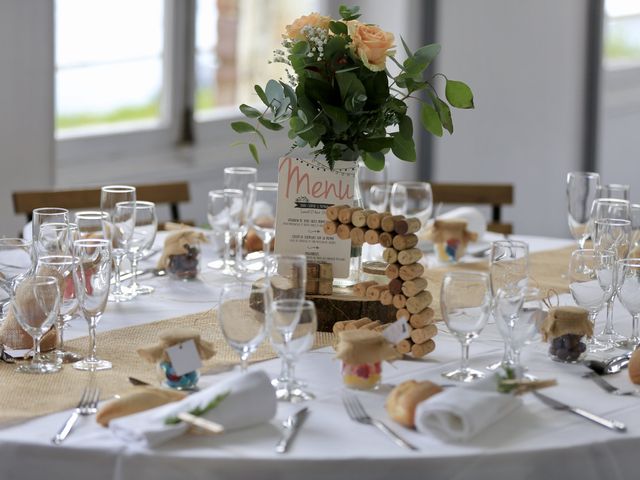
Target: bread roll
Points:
(634, 367)
(402, 401)
(143, 398)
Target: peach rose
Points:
(294, 31)
(371, 44)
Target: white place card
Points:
(184, 357)
(397, 331)
(305, 189)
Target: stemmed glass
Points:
(261, 213)
(93, 224)
(92, 279)
(366, 178)
(465, 299)
(224, 210)
(293, 327)
(614, 190)
(243, 317)
(608, 208)
(582, 190)
(16, 261)
(591, 282)
(35, 304)
(239, 178)
(121, 229)
(629, 295)
(634, 242)
(413, 199)
(53, 238)
(144, 233)
(509, 265)
(379, 197)
(43, 215)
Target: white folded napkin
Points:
(475, 219)
(459, 413)
(251, 400)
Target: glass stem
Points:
(244, 362)
(134, 271)
(60, 325)
(635, 334)
(227, 249)
(238, 258)
(266, 248)
(592, 319)
(608, 326)
(92, 336)
(284, 370)
(291, 377)
(36, 350)
(464, 363)
(582, 241)
(118, 262)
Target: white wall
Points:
(26, 102)
(525, 63)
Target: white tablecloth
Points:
(533, 442)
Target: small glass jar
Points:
(185, 266)
(451, 250)
(363, 376)
(168, 377)
(568, 348)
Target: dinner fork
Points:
(357, 413)
(88, 405)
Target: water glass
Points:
(224, 211)
(582, 190)
(144, 233)
(239, 178)
(93, 224)
(614, 190)
(16, 262)
(243, 317)
(379, 195)
(92, 279)
(43, 215)
(465, 299)
(509, 265)
(261, 213)
(413, 199)
(629, 295)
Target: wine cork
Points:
(419, 302)
(392, 271)
(403, 346)
(374, 219)
(359, 217)
(344, 215)
(360, 289)
(409, 225)
(325, 286)
(412, 287)
(340, 326)
(330, 227)
(312, 286)
(313, 270)
(395, 286)
(332, 212)
(325, 271)
(374, 291)
(371, 326)
(357, 236)
(390, 255)
(402, 313)
(422, 318)
(421, 335)
(407, 257)
(355, 324)
(405, 242)
(421, 349)
(344, 231)
(372, 236)
(386, 239)
(409, 272)
(400, 301)
(386, 297)
(388, 223)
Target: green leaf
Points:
(421, 59)
(374, 160)
(349, 13)
(430, 120)
(300, 49)
(406, 47)
(270, 125)
(274, 92)
(375, 144)
(335, 46)
(254, 152)
(377, 87)
(319, 90)
(339, 28)
(338, 116)
(242, 127)
(249, 111)
(459, 94)
(303, 116)
(403, 146)
(289, 93)
(349, 85)
(199, 411)
(443, 112)
(261, 94)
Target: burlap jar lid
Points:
(445, 229)
(364, 346)
(566, 320)
(177, 242)
(175, 336)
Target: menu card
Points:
(305, 189)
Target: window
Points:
(622, 34)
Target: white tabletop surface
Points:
(532, 442)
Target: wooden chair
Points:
(75, 199)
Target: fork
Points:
(607, 387)
(88, 405)
(357, 413)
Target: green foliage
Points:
(335, 104)
(198, 411)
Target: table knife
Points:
(557, 405)
(291, 426)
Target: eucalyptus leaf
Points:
(349, 13)
(242, 127)
(373, 160)
(430, 120)
(443, 112)
(459, 94)
(300, 48)
(254, 152)
(249, 111)
(338, 116)
(403, 145)
(339, 28)
(406, 47)
(270, 125)
(261, 94)
(375, 144)
(274, 92)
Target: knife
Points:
(556, 405)
(291, 426)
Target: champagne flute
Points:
(35, 304)
(224, 210)
(629, 295)
(92, 279)
(144, 233)
(261, 213)
(582, 190)
(93, 224)
(121, 229)
(293, 327)
(43, 215)
(243, 317)
(413, 199)
(239, 178)
(465, 299)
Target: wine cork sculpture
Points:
(406, 290)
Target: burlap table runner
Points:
(27, 396)
(548, 271)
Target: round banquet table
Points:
(532, 442)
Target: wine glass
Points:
(591, 281)
(509, 265)
(243, 317)
(61, 267)
(465, 299)
(261, 213)
(614, 190)
(239, 178)
(224, 210)
(582, 190)
(379, 197)
(293, 327)
(16, 261)
(43, 215)
(92, 279)
(93, 224)
(53, 239)
(144, 233)
(121, 229)
(608, 208)
(367, 178)
(634, 242)
(35, 304)
(413, 199)
(629, 295)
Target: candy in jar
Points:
(181, 254)
(450, 238)
(567, 329)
